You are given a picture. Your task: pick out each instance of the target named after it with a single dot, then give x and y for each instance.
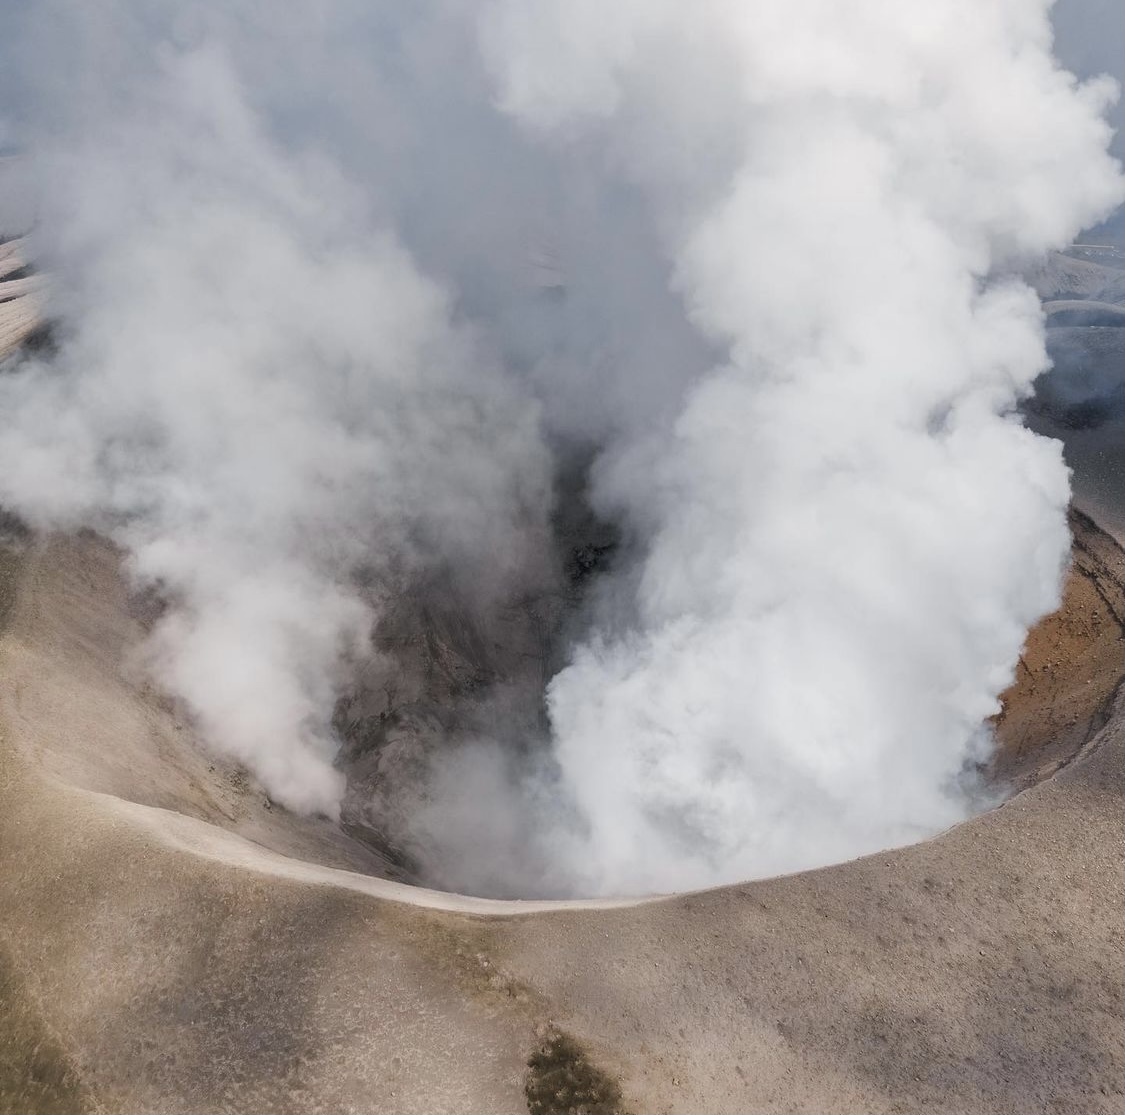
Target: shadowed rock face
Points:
(21, 303)
(447, 670)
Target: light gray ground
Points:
(155, 961)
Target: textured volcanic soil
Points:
(1071, 666)
(171, 941)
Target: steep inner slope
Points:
(1071, 668)
(147, 969)
(76, 702)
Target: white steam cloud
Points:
(309, 353)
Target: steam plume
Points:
(311, 351)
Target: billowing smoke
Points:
(360, 312)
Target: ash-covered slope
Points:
(74, 689)
(21, 304)
(150, 960)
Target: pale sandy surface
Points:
(169, 942)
